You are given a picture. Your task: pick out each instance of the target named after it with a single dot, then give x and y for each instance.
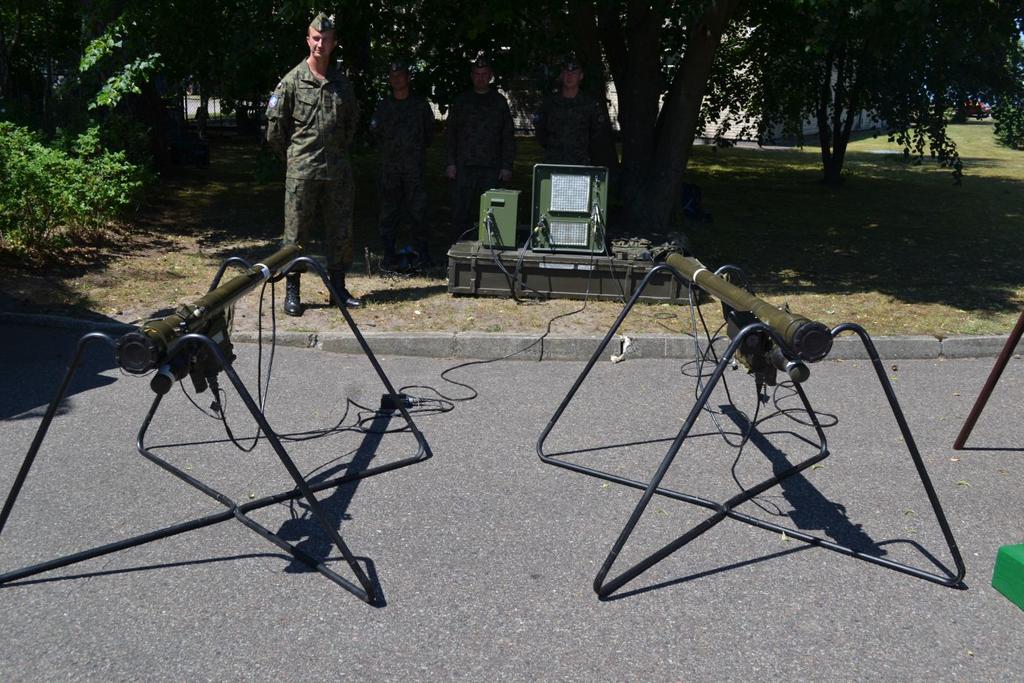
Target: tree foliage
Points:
(675, 64)
(1008, 110)
(52, 197)
(904, 63)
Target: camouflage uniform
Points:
(567, 126)
(481, 143)
(310, 122)
(405, 128)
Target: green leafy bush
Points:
(51, 198)
(1009, 116)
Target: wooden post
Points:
(990, 383)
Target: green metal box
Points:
(499, 211)
(570, 205)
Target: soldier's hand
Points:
(450, 172)
(505, 175)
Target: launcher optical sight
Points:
(147, 348)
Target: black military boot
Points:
(292, 301)
(338, 280)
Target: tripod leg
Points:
(594, 358)
(234, 510)
(367, 592)
(44, 426)
(424, 448)
(604, 589)
(908, 439)
(990, 383)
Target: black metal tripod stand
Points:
(727, 509)
(304, 490)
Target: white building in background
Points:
(734, 133)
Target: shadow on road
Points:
(306, 533)
(36, 361)
(811, 510)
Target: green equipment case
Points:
(570, 205)
(499, 211)
(476, 270)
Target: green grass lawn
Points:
(898, 247)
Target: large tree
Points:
(660, 56)
(1008, 107)
(905, 63)
(32, 63)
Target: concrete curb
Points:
(525, 346)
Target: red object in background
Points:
(977, 109)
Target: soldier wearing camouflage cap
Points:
(568, 121)
(481, 144)
(403, 125)
(311, 118)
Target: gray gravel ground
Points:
(485, 556)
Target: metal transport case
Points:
(473, 269)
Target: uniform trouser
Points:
(402, 193)
(470, 183)
(324, 207)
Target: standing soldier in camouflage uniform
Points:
(311, 118)
(568, 122)
(481, 144)
(403, 124)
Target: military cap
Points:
(481, 62)
(398, 65)
(322, 22)
(570, 63)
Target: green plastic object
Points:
(499, 213)
(1008, 576)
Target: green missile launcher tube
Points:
(809, 339)
(142, 350)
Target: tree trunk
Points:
(203, 113)
(7, 46)
(656, 174)
(354, 39)
(153, 114)
(583, 18)
(635, 63)
(834, 130)
(4, 68)
(821, 115)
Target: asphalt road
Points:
(483, 554)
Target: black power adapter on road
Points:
(389, 403)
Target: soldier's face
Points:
(399, 80)
(571, 78)
(481, 78)
(320, 43)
